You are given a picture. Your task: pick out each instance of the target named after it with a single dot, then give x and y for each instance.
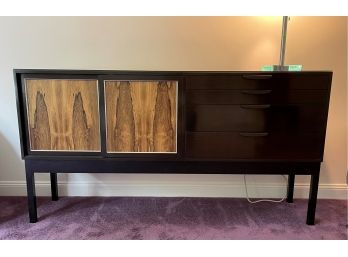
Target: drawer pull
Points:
(253, 134)
(257, 92)
(255, 76)
(255, 106)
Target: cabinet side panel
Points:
(63, 115)
(141, 116)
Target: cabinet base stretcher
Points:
(113, 166)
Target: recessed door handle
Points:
(257, 92)
(257, 76)
(254, 134)
(255, 106)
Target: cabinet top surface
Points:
(156, 72)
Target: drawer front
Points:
(300, 81)
(259, 81)
(256, 118)
(257, 96)
(238, 81)
(63, 115)
(234, 145)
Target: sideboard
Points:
(83, 121)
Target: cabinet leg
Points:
(291, 184)
(54, 186)
(312, 201)
(31, 195)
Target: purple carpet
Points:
(170, 218)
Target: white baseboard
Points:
(223, 189)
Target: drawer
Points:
(238, 81)
(257, 96)
(254, 118)
(234, 145)
(260, 81)
(302, 81)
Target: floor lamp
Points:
(281, 66)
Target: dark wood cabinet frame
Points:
(103, 162)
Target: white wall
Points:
(171, 43)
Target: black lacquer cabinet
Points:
(77, 121)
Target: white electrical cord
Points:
(262, 200)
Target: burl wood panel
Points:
(63, 115)
(141, 116)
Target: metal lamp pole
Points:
(283, 41)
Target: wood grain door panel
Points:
(63, 115)
(141, 116)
